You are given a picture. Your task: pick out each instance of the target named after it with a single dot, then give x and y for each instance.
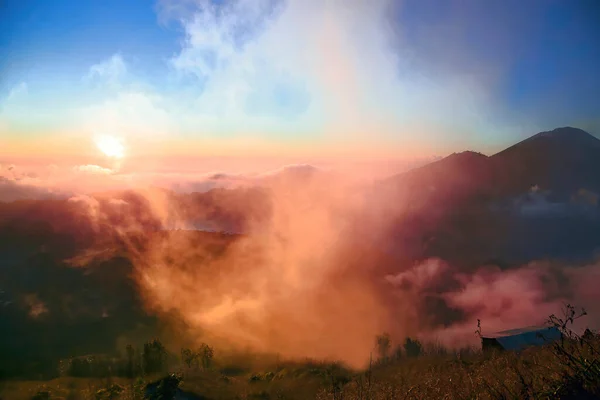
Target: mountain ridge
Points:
(561, 134)
(562, 160)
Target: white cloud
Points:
(93, 169)
(20, 90)
(109, 71)
(328, 66)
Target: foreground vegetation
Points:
(566, 369)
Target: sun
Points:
(110, 146)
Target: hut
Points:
(518, 339)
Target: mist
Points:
(309, 276)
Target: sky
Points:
(185, 80)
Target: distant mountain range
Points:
(562, 161)
(537, 199)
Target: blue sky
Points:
(434, 75)
(63, 38)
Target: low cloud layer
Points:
(31, 183)
(52, 181)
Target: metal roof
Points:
(518, 331)
(517, 339)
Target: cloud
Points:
(293, 169)
(261, 286)
(118, 202)
(12, 101)
(447, 301)
(191, 182)
(108, 72)
(8, 171)
(54, 181)
(333, 68)
(84, 199)
(203, 182)
(93, 169)
(16, 184)
(215, 33)
(419, 276)
(291, 174)
(11, 190)
(20, 90)
(539, 203)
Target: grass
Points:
(534, 373)
(566, 369)
(62, 388)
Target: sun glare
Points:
(110, 146)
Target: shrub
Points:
(384, 344)
(579, 356)
(110, 393)
(412, 348)
(164, 389)
(41, 395)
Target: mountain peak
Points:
(467, 155)
(560, 140)
(562, 160)
(566, 132)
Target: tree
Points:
(384, 345)
(203, 355)
(130, 355)
(206, 354)
(397, 355)
(154, 356)
(190, 358)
